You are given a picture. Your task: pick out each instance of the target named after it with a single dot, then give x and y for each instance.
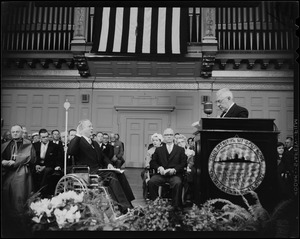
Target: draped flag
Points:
(140, 30)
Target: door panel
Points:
(138, 137)
(134, 142)
(151, 126)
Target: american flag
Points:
(140, 30)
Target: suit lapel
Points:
(230, 111)
(165, 153)
(87, 143)
(38, 148)
(49, 149)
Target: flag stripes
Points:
(140, 30)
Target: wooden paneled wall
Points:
(38, 109)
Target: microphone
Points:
(208, 107)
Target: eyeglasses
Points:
(168, 134)
(220, 101)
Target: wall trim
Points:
(145, 108)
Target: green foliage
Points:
(159, 215)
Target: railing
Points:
(253, 28)
(32, 28)
(27, 27)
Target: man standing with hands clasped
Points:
(168, 161)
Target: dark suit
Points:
(285, 171)
(53, 158)
(236, 111)
(118, 152)
(92, 156)
(61, 151)
(108, 150)
(176, 159)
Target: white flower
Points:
(40, 207)
(60, 217)
(56, 201)
(77, 216)
(47, 206)
(70, 216)
(189, 152)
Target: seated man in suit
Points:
(88, 152)
(117, 159)
(227, 106)
(106, 148)
(49, 161)
(169, 162)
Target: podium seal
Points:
(236, 166)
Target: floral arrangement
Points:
(65, 208)
(189, 152)
(72, 211)
(90, 212)
(214, 215)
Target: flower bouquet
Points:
(72, 211)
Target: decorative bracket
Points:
(208, 62)
(82, 65)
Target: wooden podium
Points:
(235, 156)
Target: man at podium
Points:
(224, 100)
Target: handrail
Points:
(31, 28)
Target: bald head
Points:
(169, 136)
(16, 132)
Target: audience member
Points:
(285, 174)
(72, 133)
(227, 106)
(190, 169)
(99, 138)
(50, 137)
(56, 137)
(117, 137)
(57, 140)
(156, 140)
(6, 137)
(289, 144)
(107, 148)
(286, 170)
(18, 157)
(169, 162)
(25, 133)
(117, 159)
(88, 152)
(176, 135)
(191, 143)
(280, 151)
(49, 161)
(63, 138)
(70, 158)
(35, 137)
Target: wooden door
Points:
(138, 130)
